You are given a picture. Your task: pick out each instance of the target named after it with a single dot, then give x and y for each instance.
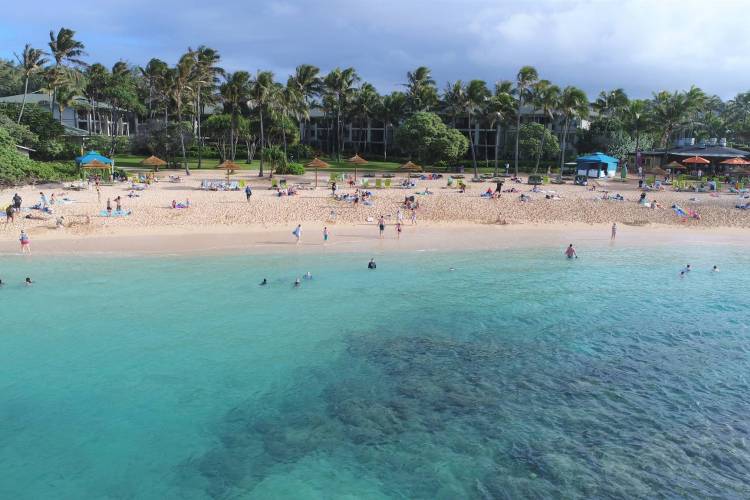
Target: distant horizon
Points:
(631, 44)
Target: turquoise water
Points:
(519, 374)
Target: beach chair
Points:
(378, 183)
(545, 179)
(450, 181)
(387, 183)
(365, 183)
(274, 183)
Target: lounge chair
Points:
(388, 183)
(274, 183)
(379, 183)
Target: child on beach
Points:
(25, 242)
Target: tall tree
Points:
(366, 103)
(261, 93)
(307, 83)
(499, 110)
(476, 98)
(153, 77)
(181, 93)
(421, 93)
(206, 77)
(391, 111)
(574, 105)
(339, 85)
(635, 117)
(546, 98)
(31, 62)
(525, 79)
(65, 50)
(235, 93)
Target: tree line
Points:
(269, 117)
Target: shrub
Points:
(290, 169)
(300, 152)
(17, 169)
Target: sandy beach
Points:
(225, 221)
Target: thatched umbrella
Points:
(658, 171)
(229, 166)
(410, 166)
(675, 165)
(153, 161)
(357, 160)
(317, 163)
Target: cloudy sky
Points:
(640, 45)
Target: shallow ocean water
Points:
(519, 374)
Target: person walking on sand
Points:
(10, 214)
(248, 192)
(399, 216)
(413, 215)
(398, 230)
(298, 233)
(25, 242)
(118, 204)
(570, 252)
(325, 235)
(17, 202)
(381, 226)
(614, 231)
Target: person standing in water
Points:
(570, 252)
(25, 242)
(264, 282)
(109, 207)
(298, 233)
(371, 264)
(614, 231)
(325, 235)
(28, 281)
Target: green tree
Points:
(476, 98)
(339, 87)
(425, 135)
(235, 93)
(499, 110)
(205, 79)
(64, 49)
(574, 105)
(307, 84)
(421, 93)
(261, 94)
(536, 141)
(181, 92)
(546, 98)
(391, 111)
(31, 62)
(525, 79)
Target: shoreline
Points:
(364, 238)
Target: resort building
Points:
(82, 117)
(714, 150)
(372, 136)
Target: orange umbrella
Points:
(357, 160)
(697, 160)
(736, 161)
(317, 163)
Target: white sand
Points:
(220, 221)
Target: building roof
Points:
(43, 99)
(18, 146)
(708, 151)
(596, 158)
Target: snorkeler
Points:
(297, 283)
(264, 282)
(715, 269)
(372, 265)
(28, 281)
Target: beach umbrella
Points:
(229, 166)
(357, 160)
(410, 166)
(675, 165)
(658, 171)
(736, 161)
(317, 163)
(696, 160)
(153, 161)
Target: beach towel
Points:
(115, 213)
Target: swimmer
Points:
(372, 265)
(297, 283)
(682, 274)
(28, 281)
(687, 269)
(264, 282)
(715, 269)
(307, 275)
(1, 283)
(451, 269)
(570, 252)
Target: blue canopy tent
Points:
(597, 165)
(92, 160)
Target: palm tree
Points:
(546, 99)
(307, 84)
(153, 74)
(573, 105)
(339, 84)
(609, 105)
(635, 117)
(421, 93)
(206, 77)
(181, 91)
(235, 93)
(454, 101)
(669, 112)
(366, 102)
(525, 79)
(499, 109)
(31, 61)
(391, 110)
(64, 49)
(476, 97)
(261, 91)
